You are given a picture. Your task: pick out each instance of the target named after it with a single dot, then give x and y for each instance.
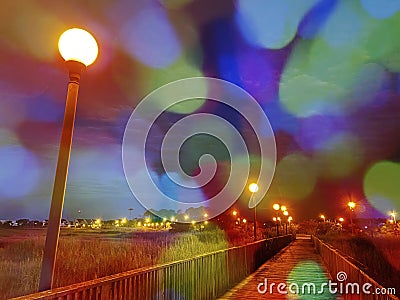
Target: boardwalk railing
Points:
(337, 264)
(202, 277)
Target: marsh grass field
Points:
(379, 256)
(89, 254)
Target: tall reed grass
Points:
(379, 256)
(88, 255)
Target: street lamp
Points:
(290, 219)
(322, 217)
(253, 188)
(393, 215)
(286, 214)
(276, 207)
(351, 206)
(130, 213)
(283, 208)
(79, 49)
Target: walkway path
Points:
(294, 265)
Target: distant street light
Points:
(341, 220)
(290, 219)
(276, 207)
(286, 213)
(283, 208)
(351, 206)
(234, 213)
(253, 188)
(322, 217)
(130, 213)
(79, 49)
(393, 215)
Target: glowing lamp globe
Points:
(276, 206)
(351, 204)
(78, 45)
(253, 187)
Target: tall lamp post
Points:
(284, 210)
(351, 206)
(79, 49)
(253, 188)
(286, 214)
(276, 207)
(290, 219)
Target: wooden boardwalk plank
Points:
(297, 263)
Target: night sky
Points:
(325, 73)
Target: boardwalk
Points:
(296, 264)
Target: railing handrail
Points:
(338, 253)
(351, 259)
(76, 287)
